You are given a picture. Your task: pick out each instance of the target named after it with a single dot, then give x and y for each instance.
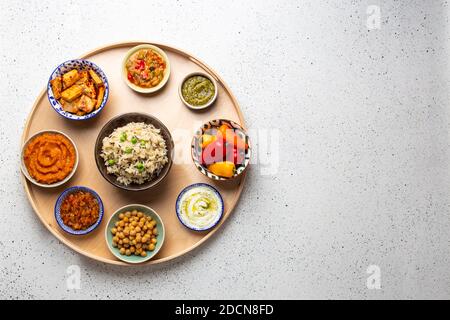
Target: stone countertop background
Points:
(362, 116)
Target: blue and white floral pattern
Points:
(60, 200)
(196, 147)
(79, 64)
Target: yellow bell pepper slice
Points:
(207, 139)
(224, 169)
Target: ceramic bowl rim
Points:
(186, 189)
(120, 210)
(156, 181)
(166, 72)
(25, 170)
(216, 177)
(203, 74)
(75, 117)
(57, 210)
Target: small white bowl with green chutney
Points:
(198, 90)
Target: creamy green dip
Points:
(197, 90)
(200, 208)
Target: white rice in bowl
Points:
(135, 153)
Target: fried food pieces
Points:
(79, 91)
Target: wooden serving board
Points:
(181, 121)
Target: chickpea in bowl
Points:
(135, 233)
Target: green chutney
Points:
(197, 90)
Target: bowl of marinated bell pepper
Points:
(221, 149)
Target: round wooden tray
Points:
(181, 121)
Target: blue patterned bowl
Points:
(79, 64)
(178, 206)
(196, 147)
(60, 200)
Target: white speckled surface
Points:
(364, 124)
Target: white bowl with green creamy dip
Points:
(199, 207)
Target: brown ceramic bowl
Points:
(120, 121)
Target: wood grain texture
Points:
(181, 121)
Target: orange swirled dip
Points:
(49, 158)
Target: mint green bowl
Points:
(147, 211)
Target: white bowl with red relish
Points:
(146, 68)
